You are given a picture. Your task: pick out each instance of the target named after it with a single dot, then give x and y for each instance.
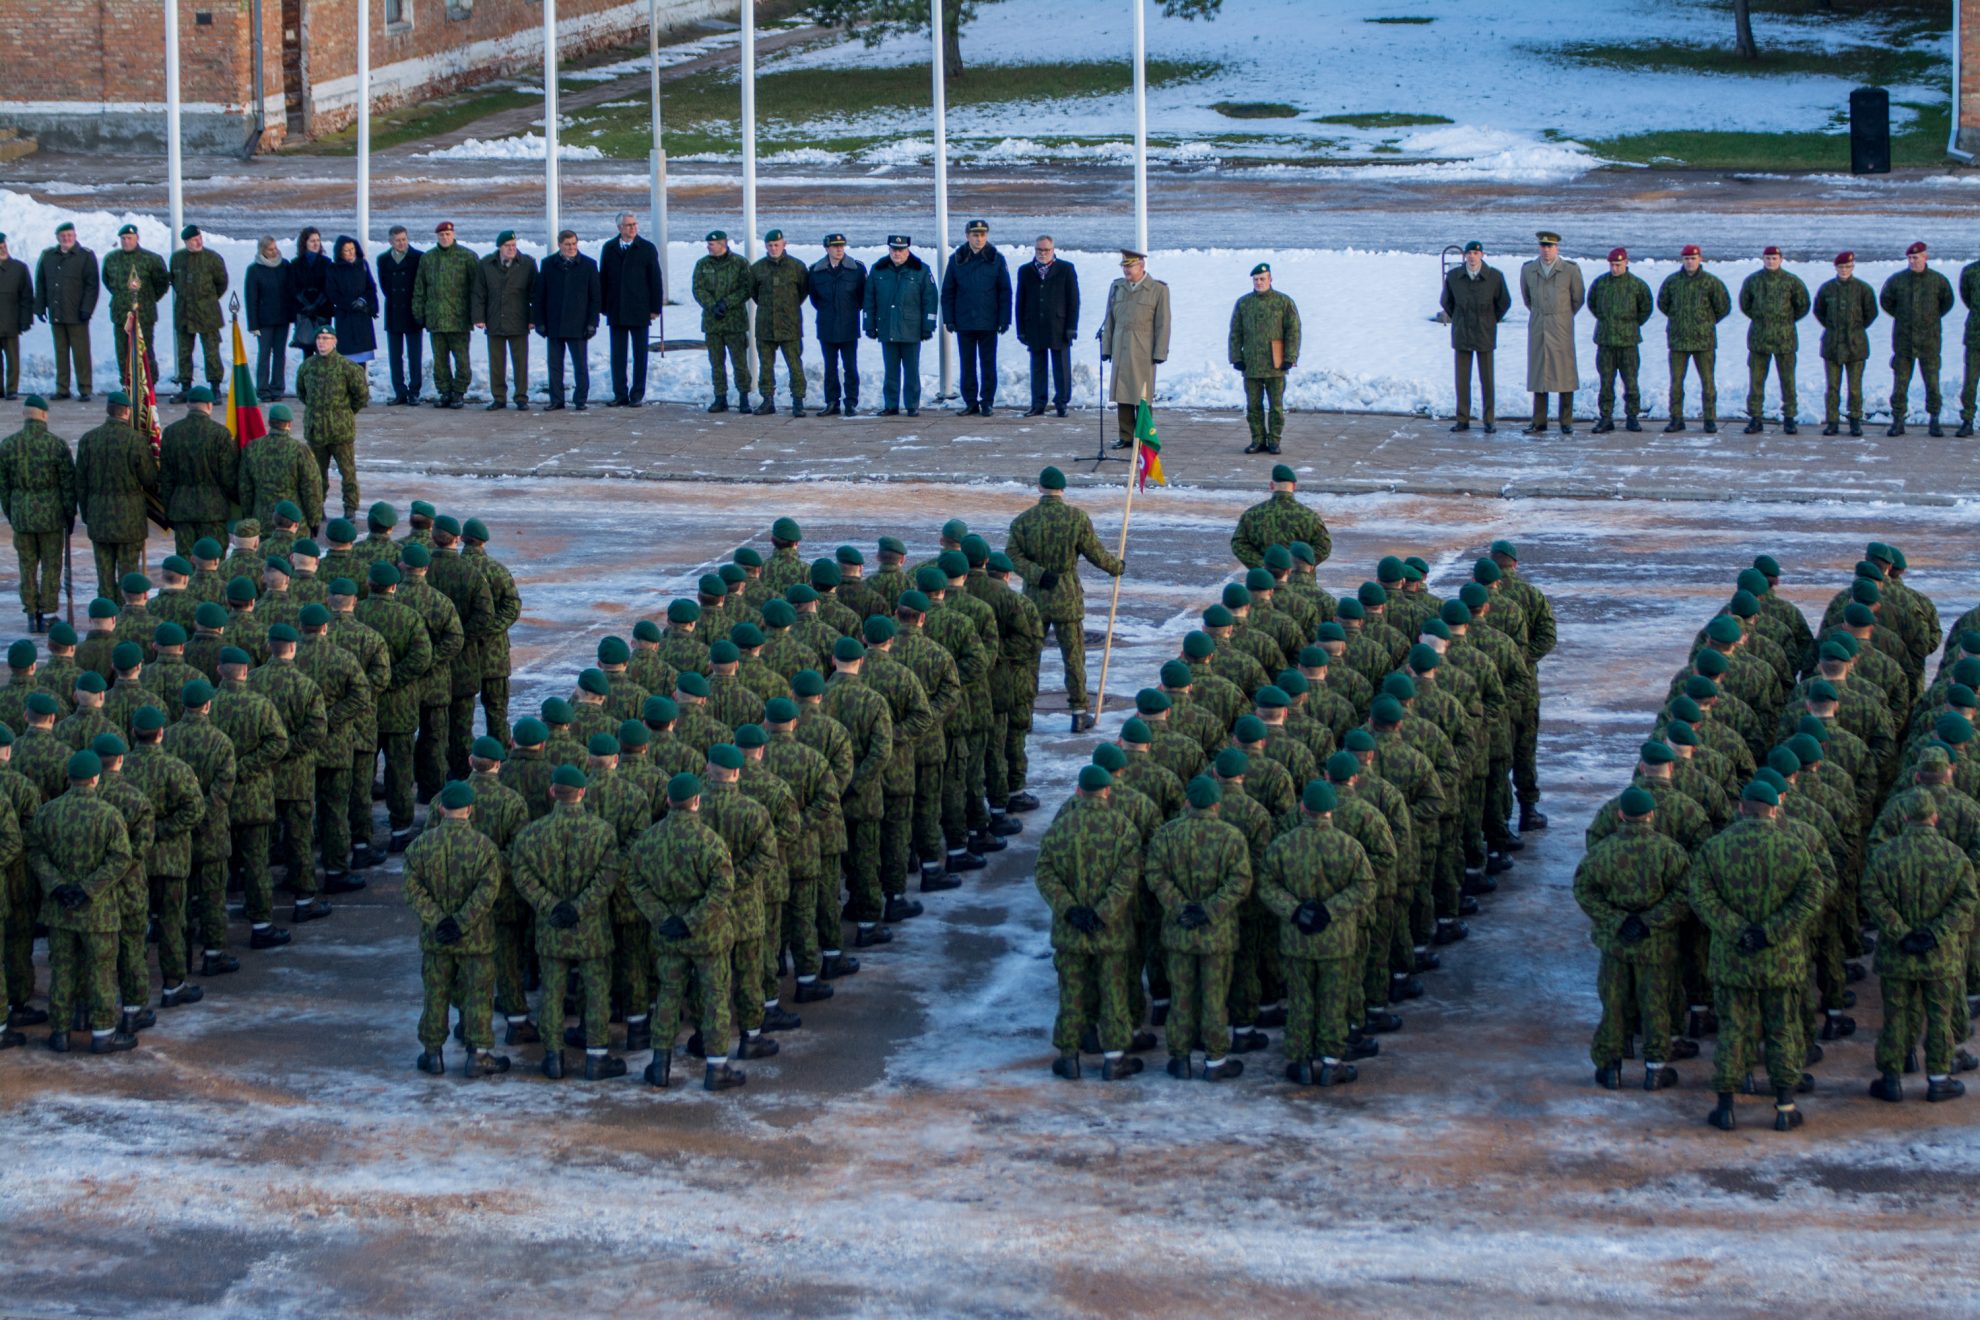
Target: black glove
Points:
(1192, 917)
(1751, 940)
(1083, 919)
(360, 306)
(721, 308)
(1317, 920)
(447, 932)
(70, 897)
(1632, 929)
(564, 916)
(1046, 581)
(674, 928)
(1919, 941)
(1302, 916)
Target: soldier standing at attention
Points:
(178, 809)
(205, 747)
(198, 472)
(1551, 289)
(1264, 345)
(79, 852)
(1772, 300)
(277, 467)
(1693, 301)
(335, 390)
(443, 290)
(1845, 307)
(722, 285)
(1969, 293)
(114, 472)
(1279, 519)
(1919, 889)
(779, 283)
(199, 278)
(453, 874)
(38, 495)
(1134, 336)
(136, 278)
(299, 703)
(1475, 300)
(1045, 545)
(1199, 870)
(504, 291)
(398, 705)
(1917, 299)
(1089, 870)
(1621, 304)
(506, 603)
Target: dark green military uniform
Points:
(205, 747)
(779, 285)
(1315, 864)
(260, 742)
(133, 895)
(1264, 345)
(1916, 302)
(114, 473)
(722, 288)
(1199, 870)
(299, 703)
(864, 715)
(374, 659)
(453, 877)
(277, 467)
(78, 845)
(680, 870)
(198, 478)
(442, 289)
(38, 495)
(1634, 886)
(567, 864)
(1622, 305)
(1693, 304)
(335, 389)
(1045, 545)
(815, 787)
(462, 583)
(1279, 519)
(178, 808)
(506, 605)
(1845, 308)
(1014, 684)
(1772, 302)
(1969, 293)
(198, 280)
(1920, 882)
(411, 658)
(1089, 871)
(751, 836)
(136, 281)
(448, 640)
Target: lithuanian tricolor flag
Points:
(1151, 448)
(244, 417)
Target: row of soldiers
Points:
(1317, 793)
(274, 680)
(1806, 797)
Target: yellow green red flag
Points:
(1151, 448)
(244, 417)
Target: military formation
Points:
(1805, 802)
(1301, 813)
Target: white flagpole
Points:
(939, 64)
(363, 122)
(550, 181)
(175, 182)
(657, 163)
(1114, 605)
(749, 161)
(1141, 125)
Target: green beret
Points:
(280, 564)
(85, 765)
(107, 744)
(1806, 748)
(1507, 549)
(91, 681)
(776, 613)
(1151, 701)
(878, 628)
(1487, 572)
(954, 563)
(746, 636)
(1205, 792)
(1865, 590)
(892, 545)
(102, 608)
(1236, 596)
(1753, 582)
(287, 510)
(1092, 778)
(1759, 791)
(1260, 579)
(1724, 629)
(1952, 728)
(659, 710)
(342, 586)
(530, 732)
(1679, 734)
(489, 749)
(1330, 631)
(1385, 709)
(1176, 674)
(414, 555)
(1317, 656)
(748, 557)
(1232, 764)
(1318, 797)
(825, 574)
(1389, 569)
(1343, 766)
(199, 394)
(683, 611)
(1278, 559)
(931, 579)
(383, 574)
(914, 602)
(1656, 752)
(125, 656)
(1959, 694)
(1700, 688)
(175, 564)
(1248, 729)
(684, 788)
(21, 654)
(1261, 269)
(1371, 594)
(786, 529)
(1360, 740)
(1292, 683)
(646, 631)
(1767, 564)
(733, 575)
(1877, 551)
(1815, 727)
(634, 734)
(147, 719)
(240, 591)
(724, 652)
(1822, 690)
(1743, 605)
(444, 523)
(1137, 733)
(196, 693)
(234, 655)
(808, 683)
(614, 651)
(422, 509)
(1858, 615)
(955, 530)
(602, 744)
(1474, 597)
(1782, 760)
(1684, 708)
(61, 634)
(693, 684)
(595, 682)
(246, 529)
(34, 401)
(1302, 552)
(456, 795)
(44, 703)
(1711, 663)
(190, 231)
(848, 649)
(340, 531)
(1052, 479)
(1969, 642)
(1199, 645)
(1424, 657)
(568, 776)
(280, 412)
(716, 236)
(1270, 697)
(1870, 569)
(725, 756)
(134, 584)
(1400, 686)
(1833, 649)
(1455, 613)
(206, 548)
(779, 710)
(1898, 560)
(557, 711)
(849, 554)
(1411, 573)
(1107, 756)
(1637, 802)
(306, 549)
(475, 530)
(751, 735)
(1282, 472)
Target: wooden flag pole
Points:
(1114, 605)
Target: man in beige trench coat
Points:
(1552, 291)
(1135, 336)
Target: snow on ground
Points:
(527, 146)
(1368, 342)
(681, 52)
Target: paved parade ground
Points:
(272, 1151)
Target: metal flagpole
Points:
(749, 165)
(550, 183)
(363, 123)
(941, 97)
(1114, 605)
(175, 182)
(1141, 125)
(657, 158)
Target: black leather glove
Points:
(1083, 919)
(447, 932)
(360, 306)
(1192, 917)
(1302, 916)
(1632, 929)
(1046, 581)
(564, 916)
(674, 928)
(721, 308)
(70, 897)
(1918, 941)
(1319, 920)
(1751, 940)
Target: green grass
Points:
(1402, 18)
(1255, 109)
(1877, 66)
(1921, 145)
(1381, 119)
(418, 123)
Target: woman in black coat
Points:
(352, 295)
(308, 270)
(270, 309)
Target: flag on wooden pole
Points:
(244, 416)
(1148, 466)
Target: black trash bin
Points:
(1869, 131)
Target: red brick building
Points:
(1966, 76)
(98, 68)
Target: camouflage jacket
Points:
(79, 729)
(335, 389)
(1393, 807)
(779, 284)
(1090, 857)
(206, 749)
(198, 280)
(178, 806)
(1199, 859)
(299, 703)
(763, 786)
(1959, 819)
(864, 715)
(955, 632)
(1361, 820)
(346, 695)
(528, 772)
(724, 281)
(1693, 304)
(37, 480)
(154, 281)
(132, 804)
(1753, 873)
(442, 288)
(1151, 779)
(474, 605)
(374, 659)
(1416, 778)
(1050, 538)
(908, 709)
(1621, 305)
(1845, 309)
(1316, 862)
(411, 656)
(1635, 871)
(44, 760)
(569, 856)
(1257, 322)
(833, 741)
(277, 467)
(745, 827)
(79, 839)
(505, 604)
(731, 704)
(114, 471)
(500, 815)
(254, 727)
(1278, 520)
(816, 790)
(679, 867)
(444, 634)
(1916, 302)
(1920, 881)
(454, 870)
(1969, 293)
(684, 652)
(1772, 301)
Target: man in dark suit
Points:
(629, 274)
(398, 267)
(838, 292)
(1047, 320)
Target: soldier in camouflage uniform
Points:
(751, 836)
(373, 654)
(1693, 301)
(254, 726)
(441, 297)
(500, 814)
(955, 631)
(335, 390)
(305, 716)
(1634, 886)
(86, 721)
(1845, 306)
(38, 496)
(964, 782)
(1757, 890)
(679, 874)
(505, 605)
(1916, 299)
(1023, 631)
(914, 721)
(178, 809)
(198, 473)
(1772, 300)
(80, 853)
(1199, 870)
(1089, 870)
(136, 278)
(20, 799)
(931, 663)
(1537, 641)
(14, 911)
(1279, 520)
(1045, 545)
(196, 740)
(453, 877)
(566, 865)
(864, 714)
(447, 639)
(1264, 346)
(1317, 880)
(778, 284)
(114, 472)
(277, 467)
(824, 734)
(815, 785)
(199, 278)
(723, 284)
(133, 896)
(1622, 306)
(462, 582)
(1919, 889)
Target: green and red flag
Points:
(244, 417)
(1149, 454)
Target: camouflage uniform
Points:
(299, 703)
(913, 720)
(114, 472)
(1916, 302)
(22, 896)
(348, 707)
(955, 631)
(254, 727)
(1693, 304)
(833, 741)
(864, 715)
(816, 789)
(442, 289)
(1422, 788)
(505, 608)
(1772, 301)
(412, 659)
(43, 759)
(725, 280)
(14, 912)
(1538, 643)
(78, 840)
(570, 856)
(1314, 862)
(374, 658)
(1259, 321)
(457, 578)
(1920, 881)
(1637, 872)
(196, 740)
(133, 895)
(178, 808)
(778, 285)
(154, 281)
(1090, 857)
(1621, 305)
(454, 871)
(1048, 540)
(198, 478)
(1845, 309)
(335, 389)
(1200, 860)
(500, 814)
(1969, 293)
(751, 837)
(964, 783)
(198, 280)
(941, 682)
(277, 467)
(679, 867)
(1278, 520)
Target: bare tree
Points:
(1743, 44)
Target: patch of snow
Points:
(527, 146)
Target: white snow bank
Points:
(529, 146)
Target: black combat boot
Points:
(603, 1067)
(1244, 1041)
(521, 1032)
(1790, 427)
(1120, 1068)
(1722, 1116)
(1948, 1088)
(553, 1064)
(935, 878)
(1066, 1065)
(313, 909)
(1020, 802)
(1830, 428)
(1786, 1117)
(1271, 1015)
(1895, 428)
(486, 1063)
(809, 992)
(1835, 1026)
(1340, 1074)
(1753, 426)
(839, 964)
(1673, 426)
(1603, 425)
(1659, 1078)
(1856, 427)
(965, 860)
(1300, 1071)
(1633, 424)
(218, 964)
(1888, 1087)
(1142, 1042)
(1178, 1065)
(1933, 429)
(983, 843)
(661, 1070)
(1380, 1022)
(1609, 1076)
(1360, 1046)
(865, 937)
(721, 1077)
(901, 908)
(433, 1061)
(756, 1047)
(132, 1023)
(1531, 818)
(639, 1035)
(1681, 1048)
(1002, 826)
(721, 404)
(1964, 430)
(267, 937)
(182, 993)
(1449, 931)
(777, 1018)
(1229, 1068)
(341, 882)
